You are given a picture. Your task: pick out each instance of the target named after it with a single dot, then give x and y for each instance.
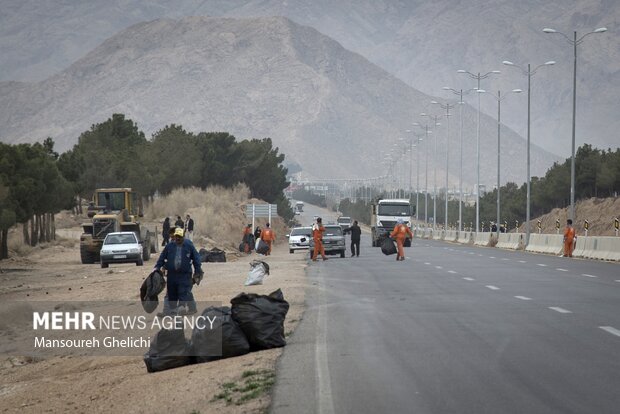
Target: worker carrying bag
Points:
(388, 247)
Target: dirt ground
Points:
(122, 384)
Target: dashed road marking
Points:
(541, 265)
(470, 279)
(480, 255)
(503, 258)
(561, 310)
(611, 330)
(472, 253)
(426, 263)
(451, 271)
(491, 257)
(523, 297)
(522, 261)
(438, 267)
(587, 275)
(561, 270)
(492, 287)
(618, 280)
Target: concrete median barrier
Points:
(450, 235)
(482, 238)
(512, 241)
(465, 237)
(438, 235)
(546, 243)
(602, 248)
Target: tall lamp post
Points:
(417, 185)
(478, 77)
(499, 99)
(447, 106)
(528, 72)
(426, 132)
(435, 124)
(574, 42)
(461, 103)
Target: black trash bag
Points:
(251, 241)
(169, 349)
(261, 318)
(262, 248)
(242, 247)
(407, 242)
(152, 286)
(225, 340)
(388, 246)
(213, 255)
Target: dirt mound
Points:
(600, 213)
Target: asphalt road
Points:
(455, 329)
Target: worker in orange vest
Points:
(400, 233)
(317, 236)
(247, 235)
(268, 236)
(569, 238)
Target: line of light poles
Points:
(528, 72)
(434, 118)
(460, 93)
(478, 77)
(499, 99)
(418, 139)
(574, 42)
(426, 132)
(447, 106)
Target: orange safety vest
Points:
(317, 233)
(400, 232)
(267, 235)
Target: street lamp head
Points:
(496, 71)
(423, 114)
(517, 90)
(481, 91)
(416, 124)
(461, 71)
(549, 63)
(446, 88)
(407, 130)
(548, 30)
(507, 62)
(434, 102)
(600, 30)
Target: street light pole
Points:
(529, 72)
(478, 77)
(574, 42)
(499, 99)
(447, 106)
(426, 132)
(435, 123)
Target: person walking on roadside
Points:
(317, 237)
(189, 228)
(165, 232)
(179, 223)
(248, 239)
(177, 259)
(569, 238)
(400, 233)
(355, 238)
(269, 237)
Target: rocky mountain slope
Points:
(421, 42)
(328, 109)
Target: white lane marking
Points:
(618, 280)
(491, 257)
(611, 330)
(587, 275)
(492, 287)
(561, 270)
(561, 310)
(471, 279)
(451, 271)
(541, 265)
(523, 297)
(522, 261)
(480, 255)
(503, 258)
(438, 267)
(472, 253)
(426, 263)
(324, 391)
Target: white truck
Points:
(384, 215)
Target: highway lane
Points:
(455, 329)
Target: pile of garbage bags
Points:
(253, 322)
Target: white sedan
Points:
(121, 247)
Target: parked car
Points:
(344, 222)
(121, 247)
(333, 240)
(299, 239)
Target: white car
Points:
(299, 239)
(121, 247)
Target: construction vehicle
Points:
(384, 215)
(114, 210)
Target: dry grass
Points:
(218, 213)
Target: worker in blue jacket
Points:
(177, 259)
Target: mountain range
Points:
(328, 109)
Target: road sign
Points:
(260, 210)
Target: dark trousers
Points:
(180, 290)
(355, 247)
